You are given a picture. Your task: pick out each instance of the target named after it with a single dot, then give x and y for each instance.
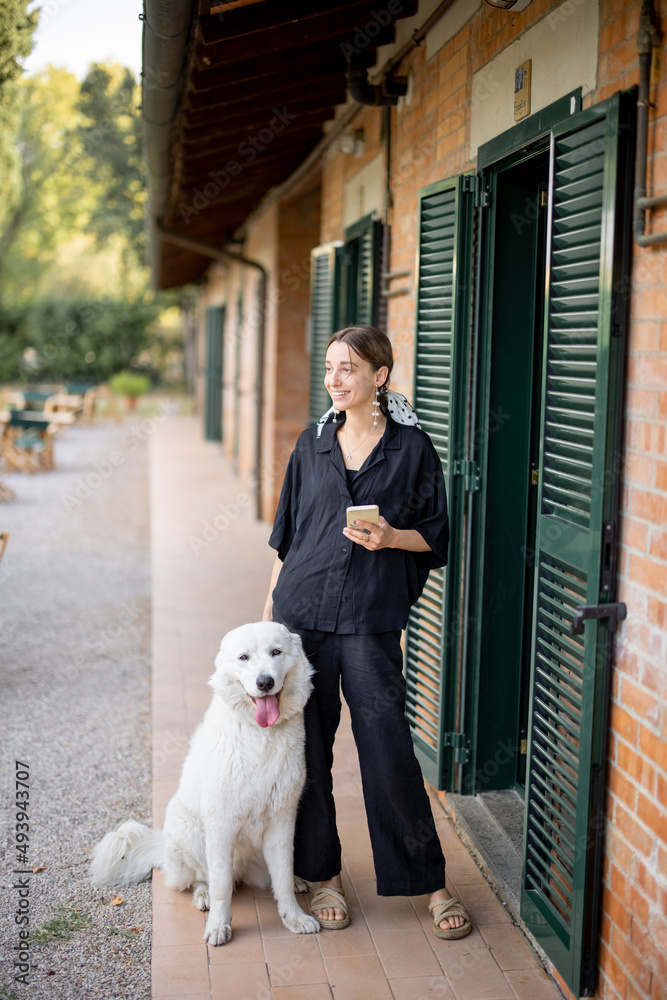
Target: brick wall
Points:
(634, 930)
(430, 141)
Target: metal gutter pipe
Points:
(164, 45)
(647, 39)
(217, 253)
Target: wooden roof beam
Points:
(349, 22)
(195, 171)
(324, 84)
(241, 22)
(204, 80)
(285, 82)
(274, 119)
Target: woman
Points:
(348, 592)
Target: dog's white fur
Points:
(232, 818)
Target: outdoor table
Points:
(35, 399)
(27, 441)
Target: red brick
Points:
(658, 928)
(653, 747)
(647, 436)
(617, 912)
(623, 789)
(651, 370)
(623, 724)
(619, 851)
(630, 960)
(648, 506)
(641, 403)
(611, 967)
(654, 303)
(613, 32)
(634, 534)
(651, 815)
(639, 469)
(643, 703)
(636, 766)
(633, 831)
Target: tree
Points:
(77, 229)
(17, 27)
(110, 133)
(55, 197)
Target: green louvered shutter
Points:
(360, 273)
(215, 324)
(441, 356)
(577, 512)
(324, 303)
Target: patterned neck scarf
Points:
(399, 409)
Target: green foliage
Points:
(17, 27)
(130, 384)
(74, 299)
(77, 229)
(73, 341)
(62, 925)
(55, 197)
(110, 133)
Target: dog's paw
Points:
(300, 884)
(215, 936)
(200, 897)
(303, 924)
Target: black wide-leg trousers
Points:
(407, 855)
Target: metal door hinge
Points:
(608, 549)
(472, 481)
(613, 612)
(458, 742)
(477, 186)
(534, 477)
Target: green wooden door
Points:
(361, 262)
(441, 357)
(577, 511)
(324, 318)
(215, 325)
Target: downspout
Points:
(647, 38)
(217, 253)
(372, 95)
(164, 45)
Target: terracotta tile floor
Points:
(211, 566)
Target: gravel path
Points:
(75, 681)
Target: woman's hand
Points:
(375, 536)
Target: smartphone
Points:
(365, 512)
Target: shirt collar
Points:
(391, 439)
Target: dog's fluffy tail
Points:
(127, 855)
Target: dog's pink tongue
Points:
(266, 710)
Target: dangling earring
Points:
(376, 406)
(336, 412)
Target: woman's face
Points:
(349, 380)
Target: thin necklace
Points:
(350, 450)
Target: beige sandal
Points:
(452, 907)
(331, 925)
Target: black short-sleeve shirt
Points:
(323, 572)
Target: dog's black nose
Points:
(264, 683)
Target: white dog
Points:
(232, 818)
